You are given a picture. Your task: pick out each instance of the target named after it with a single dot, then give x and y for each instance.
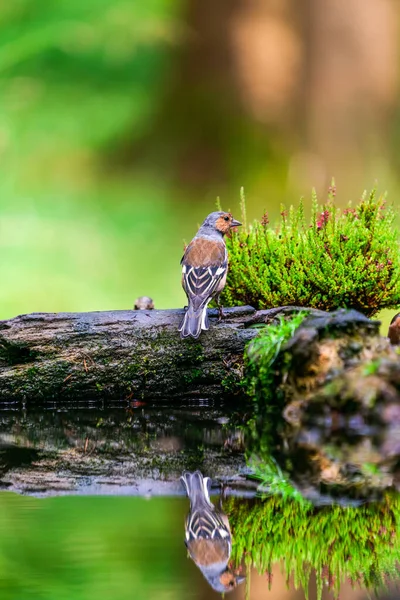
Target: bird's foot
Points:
(221, 315)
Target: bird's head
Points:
(226, 581)
(220, 221)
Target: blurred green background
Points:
(83, 548)
(121, 121)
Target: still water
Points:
(92, 506)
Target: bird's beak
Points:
(240, 579)
(235, 223)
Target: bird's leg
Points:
(221, 315)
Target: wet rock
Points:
(338, 360)
(338, 384)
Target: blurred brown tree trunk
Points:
(322, 72)
(349, 85)
(204, 91)
(318, 76)
(325, 73)
(236, 78)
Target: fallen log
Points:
(135, 354)
(119, 355)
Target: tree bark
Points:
(119, 355)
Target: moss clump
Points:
(339, 543)
(261, 354)
(348, 258)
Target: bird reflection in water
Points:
(208, 535)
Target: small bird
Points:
(144, 303)
(208, 535)
(394, 330)
(204, 271)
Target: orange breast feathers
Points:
(206, 552)
(204, 253)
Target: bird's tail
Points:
(197, 488)
(194, 320)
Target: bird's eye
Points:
(226, 218)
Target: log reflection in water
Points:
(118, 449)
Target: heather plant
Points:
(338, 259)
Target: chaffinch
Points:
(204, 271)
(208, 535)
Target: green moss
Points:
(337, 259)
(194, 353)
(372, 367)
(357, 543)
(232, 383)
(193, 376)
(32, 372)
(261, 354)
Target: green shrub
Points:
(340, 258)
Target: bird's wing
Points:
(204, 266)
(204, 523)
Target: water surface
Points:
(100, 510)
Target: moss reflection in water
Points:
(91, 547)
(360, 544)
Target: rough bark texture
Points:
(119, 354)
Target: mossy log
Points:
(119, 355)
(134, 355)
